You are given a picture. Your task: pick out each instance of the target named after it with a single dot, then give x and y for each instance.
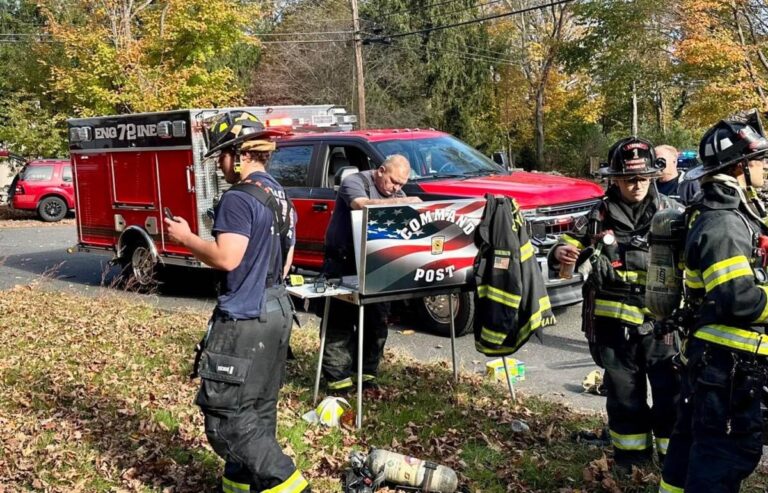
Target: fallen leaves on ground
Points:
(95, 396)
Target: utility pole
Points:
(634, 109)
(359, 77)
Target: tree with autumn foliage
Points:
(119, 56)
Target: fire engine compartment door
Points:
(133, 180)
(176, 191)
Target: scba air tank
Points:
(408, 471)
(664, 283)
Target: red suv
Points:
(44, 186)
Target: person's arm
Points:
(725, 248)
(361, 202)
(288, 262)
(224, 253)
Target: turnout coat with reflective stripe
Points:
(719, 275)
(511, 300)
(621, 302)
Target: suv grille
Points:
(548, 223)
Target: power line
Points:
(307, 33)
(473, 21)
(302, 41)
(414, 9)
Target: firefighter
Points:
(717, 440)
(243, 355)
(379, 186)
(612, 240)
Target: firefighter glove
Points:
(603, 273)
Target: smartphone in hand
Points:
(168, 213)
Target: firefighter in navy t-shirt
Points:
(242, 363)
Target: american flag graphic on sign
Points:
(417, 246)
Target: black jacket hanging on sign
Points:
(511, 302)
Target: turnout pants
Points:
(242, 368)
(340, 358)
(630, 362)
(717, 440)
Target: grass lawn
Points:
(95, 396)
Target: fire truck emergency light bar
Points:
(316, 121)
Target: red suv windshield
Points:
(440, 157)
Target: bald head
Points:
(392, 174)
(669, 154)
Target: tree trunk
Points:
(659, 107)
(539, 125)
(747, 61)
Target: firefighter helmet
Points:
(234, 127)
(631, 156)
(738, 137)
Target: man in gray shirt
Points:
(380, 186)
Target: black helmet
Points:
(738, 137)
(233, 127)
(632, 156)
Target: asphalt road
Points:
(555, 365)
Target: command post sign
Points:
(419, 246)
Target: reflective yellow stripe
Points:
(486, 350)
(764, 315)
(229, 486)
(632, 276)
(665, 487)
(536, 319)
(693, 218)
(293, 484)
(725, 270)
(640, 441)
(526, 251)
(340, 384)
(495, 338)
(734, 338)
(662, 444)
(368, 378)
(693, 279)
(620, 311)
(572, 241)
(499, 296)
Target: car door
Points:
(333, 155)
(290, 165)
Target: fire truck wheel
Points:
(52, 209)
(433, 314)
(140, 268)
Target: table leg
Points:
(509, 380)
(360, 332)
(453, 338)
(323, 328)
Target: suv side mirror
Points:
(342, 173)
(500, 158)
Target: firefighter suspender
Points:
(270, 201)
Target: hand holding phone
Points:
(169, 214)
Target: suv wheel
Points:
(433, 313)
(52, 209)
